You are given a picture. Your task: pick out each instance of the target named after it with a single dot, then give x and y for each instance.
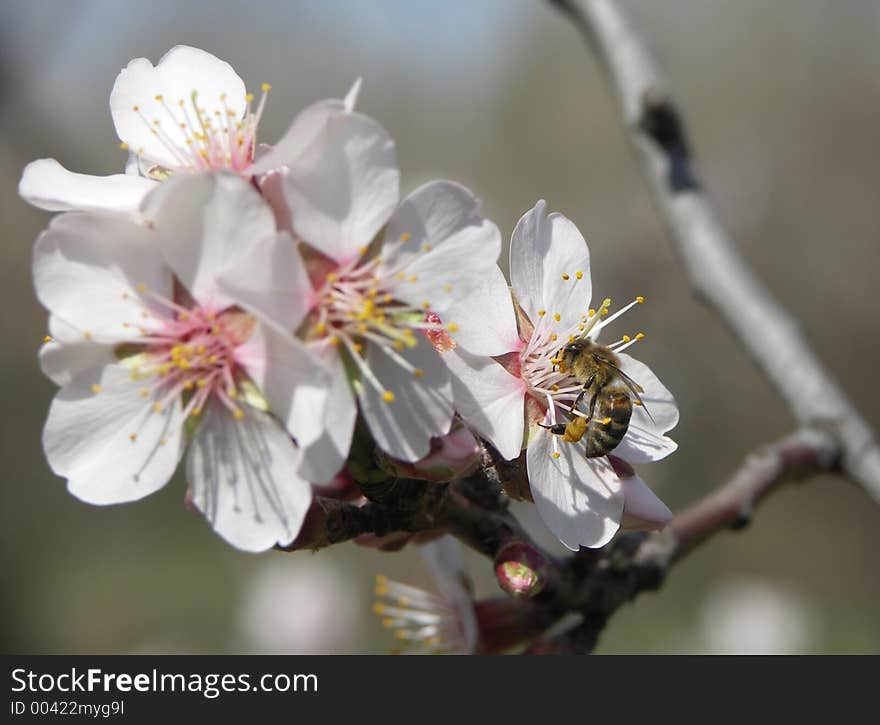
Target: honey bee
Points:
(611, 391)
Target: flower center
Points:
(201, 138)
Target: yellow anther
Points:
(626, 338)
(447, 287)
(378, 608)
(579, 275)
(388, 396)
(47, 338)
(232, 393)
(357, 347)
(266, 87)
(606, 302)
(555, 454)
(405, 237)
(411, 278)
(362, 328)
(144, 392)
(398, 345)
(163, 441)
(132, 437)
(426, 305)
(604, 311)
(249, 97)
(554, 387)
(364, 249)
(135, 108)
(637, 402)
(401, 276)
(640, 299)
(141, 287)
(96, 388)
(427, 247)
(196, 412)
(387, 622)
(387, 298)
(158, 96)
(541, 313)
(188, 385)
(553, 337)
(606, 421)
(238, 414)
(591, 312)
(215, 329)
(123, 146)
(201, 383)
(222, 96)
(157, 407)
(557, 317)
(212, 359)
(332, 277)
(452, 327)
(403, 601)
(333, 340)
(401, 634)
(564, 277)
(571, 338)
(418, 372)
(87, 335)
(200, 349)
(640, 336)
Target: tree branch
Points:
(715, 268)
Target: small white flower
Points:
(509, 398)
(189, 113)
(148, 350)
(386, 280)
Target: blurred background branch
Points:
(717, 271)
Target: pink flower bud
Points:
(521, 570)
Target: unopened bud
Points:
(521, 570)
(452, 456)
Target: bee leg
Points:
(580, 397)
(557, 429)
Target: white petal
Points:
(48, 185)
(542, 249)
(206, 223)
(88, 437)
(87, 269)
(62, 362)
(271, 280)
(305, 129)
(343, 186)
(579, 499)
(324, 458)
(181, 72)
(645, 441)
(642, 510)
(242, 477)
(293, 382)
(485, 318)
(422, 406)
(446, 564)
(440, 247)
(489, 399)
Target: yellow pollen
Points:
(606, 302)
(333, 340)
(196, 412)
(212, 359)
(158, 96)
(579, 275)
(321, 328)
(132, 437)
(201, 383)
(571, 338)
(357, 347)
(398, 345)
(47, 338)
(87, 335)
(452, 327)
(232, 393)
(363, 249)
(266, 87)
(362, 328)
(387, 622)
(144, 392)
(188, 385)
(606, 421)
(222, 96)
(123, 146)
(604, 311)
(96, 388)
(426, 305)
(249, 97)
(215, 330)
(553, 337)
(135, 108)
(387, 298)
(200, 349)
(592, 312)
(626, 338)
(388, 396)
(564, 277)
(418, 372)
(401, 276)
(637, 402)
(332, 277)
(640, 336)
(141, 287)
(427, 247)
(555, 454)
(640, 299)
(541, 313)
(157, 407)
(238, 414)
(411, 278)
(557, 317)
(405, 237)
(554, 387)
(379, 608)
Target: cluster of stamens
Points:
(186, 353)
(423, 620)
(541, 362)
(200, 139)
(355, 307)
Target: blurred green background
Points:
(783, 101)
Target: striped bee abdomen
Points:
(609, 422)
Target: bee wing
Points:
(635, 389)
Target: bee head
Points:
(573, 350)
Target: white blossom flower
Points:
(150, 352)
(189, 113)
(509, 398)
(384, 279)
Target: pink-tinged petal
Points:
(181, 72)
(422, 405)
(272, 189)
(111, 445)
(88, 271)
(48, 185)
(62, 362)
(271, 280)
(343, 186)
(642, 510)
(305, 129)
(291, 379)
(579, 499)
(485, 319)
(489, 399)
(444, 560)
(242, 477)
(546, 255)
(204, 224)
(645, 441)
